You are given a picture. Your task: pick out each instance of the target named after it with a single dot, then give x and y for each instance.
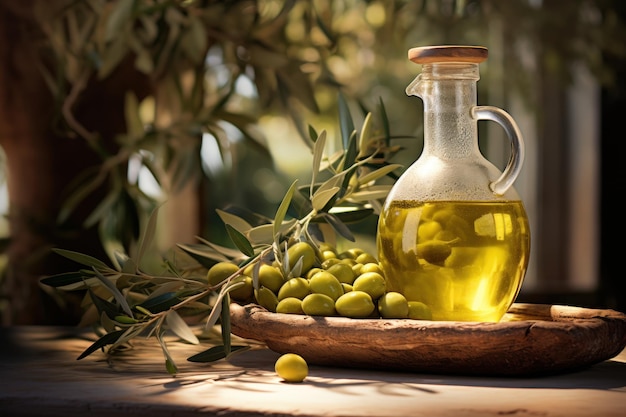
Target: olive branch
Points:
(124, 301)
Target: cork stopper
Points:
(448, 53)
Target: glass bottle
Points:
(453, 232)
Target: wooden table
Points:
(40, 376)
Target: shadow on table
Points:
(607, 375)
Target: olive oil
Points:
(464, 259)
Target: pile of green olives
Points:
(349, 284)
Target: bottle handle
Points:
(514, 165)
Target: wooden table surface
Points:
(40, 376)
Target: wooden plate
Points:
(531, 339)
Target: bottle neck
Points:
(449, 93)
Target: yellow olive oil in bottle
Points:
(453, 232)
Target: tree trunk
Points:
(41, 162)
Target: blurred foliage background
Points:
(203, 104)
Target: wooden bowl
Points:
(532, 339)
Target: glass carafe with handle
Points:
(453, 235)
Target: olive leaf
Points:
(321, 198)
(119, 297)
(385, 122)
(242, 243)
(366, 131)
(216, 353)
(235, 221)
(162, 302)
(64, 280)
(225, 324)
(180, 327)
(105, 340)
(82, 258)
(282, 209)
(170, 364)
(148, 235)
(378, 173)
(103, 306)
(318, 154)
(346, 123)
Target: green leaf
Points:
(376, 192)
(321, 198)
(385, 119)
(242, 243)
(170, 364)
(148, 235)
(180, 327)
(119, 297)
(235, 221)
(215, 353)
(284, 206)
(379, 173)
(225, 324)
(83, 259)
(105, 340)
(345, 121)
(313, 133)
(366, 132)
(350, 155)
(160, 303)
(338, 225)
(209, 254)
(123, 319)
(64, 279)
(353, 216)
(104, 306)
(261, 234)
(318, 154)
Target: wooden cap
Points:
(448, 53)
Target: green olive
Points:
(243, 292)
(356, 269)
(304, 251)
(349, 261)
(372, 283)
(393, 305)
(342, 272)
(434, 251)
(355, 252)
(365, 258)
(330, 262)
(355, 304)
(266, 298)
(290, 305)
(326, 283)
(220, 271)
(291, 367)
(312, 272)
(328, 254)
(372, 267)
(419, 311)
(271, 277)
(295, 287)
(427, 230)
(317, 304)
